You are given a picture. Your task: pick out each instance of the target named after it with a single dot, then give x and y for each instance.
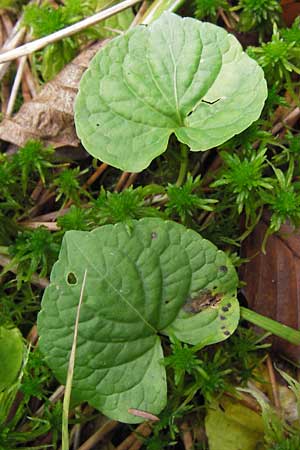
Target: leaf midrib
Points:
(136, 311)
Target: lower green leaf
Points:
(139, 278)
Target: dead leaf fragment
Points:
(232, 425)
(273, 280)
(49, 116)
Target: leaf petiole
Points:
(276, 328)
(184, 160)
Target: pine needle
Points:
(68, 388)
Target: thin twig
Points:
(246, 400)
(35, 279)
(138, 17)
(132, 177)
(293, 115)
(99, 171)
(12, 44)
(99, 435)
(68, 388)
(29, 81)
(121, 181)
(273, 382)
(32, 224)
(16, 86)
(187, 437)
(7, 24)
(32, 336)
(57, 395)
(38, 44)
(145, 432)
(225, 19)
(144, 429)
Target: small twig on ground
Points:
(33, 224)
(71, 366)
(246, 400)
(144, 434)
(144, 430)
(32, 336)
(99, 435)
(52, 215)
(291, 117)
(45, 197)
(16, 86)
(35, 279)
(130, 180)
(98, 172)
(57, 395)
(29, 85)
(138, 17)
(187, 437)
(7, 24)
(5, 93)
(225, 19)
(38, 44)
(121, 181)
(11, 44)
(273, 382)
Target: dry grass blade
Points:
(49, 116)
(35, 279)
(16, 85)
(99, 435)
(38, 44)
(68, 388)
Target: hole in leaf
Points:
(211, 103)
(223, 269)
(71, 278)
(153, 235)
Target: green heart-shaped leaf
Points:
(177, 76)
(138, 280)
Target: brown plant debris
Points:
(273, 279)
(49, 116)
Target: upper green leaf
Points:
(138, 279)
(177, 76)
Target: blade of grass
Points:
(158, 7)
(68, 388)
(38, 44)
(277, 328)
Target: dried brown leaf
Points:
(273, 279)
(49, 115)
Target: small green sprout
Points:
(209, 8)
(113, 207)
(68, 186)
(32, 159)
(74, 219)
(244, 179)
(258, 14)
(278, 57)
(183, 201)
(284, 200)
(33, 251)
(212, 375)
(182, 360)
